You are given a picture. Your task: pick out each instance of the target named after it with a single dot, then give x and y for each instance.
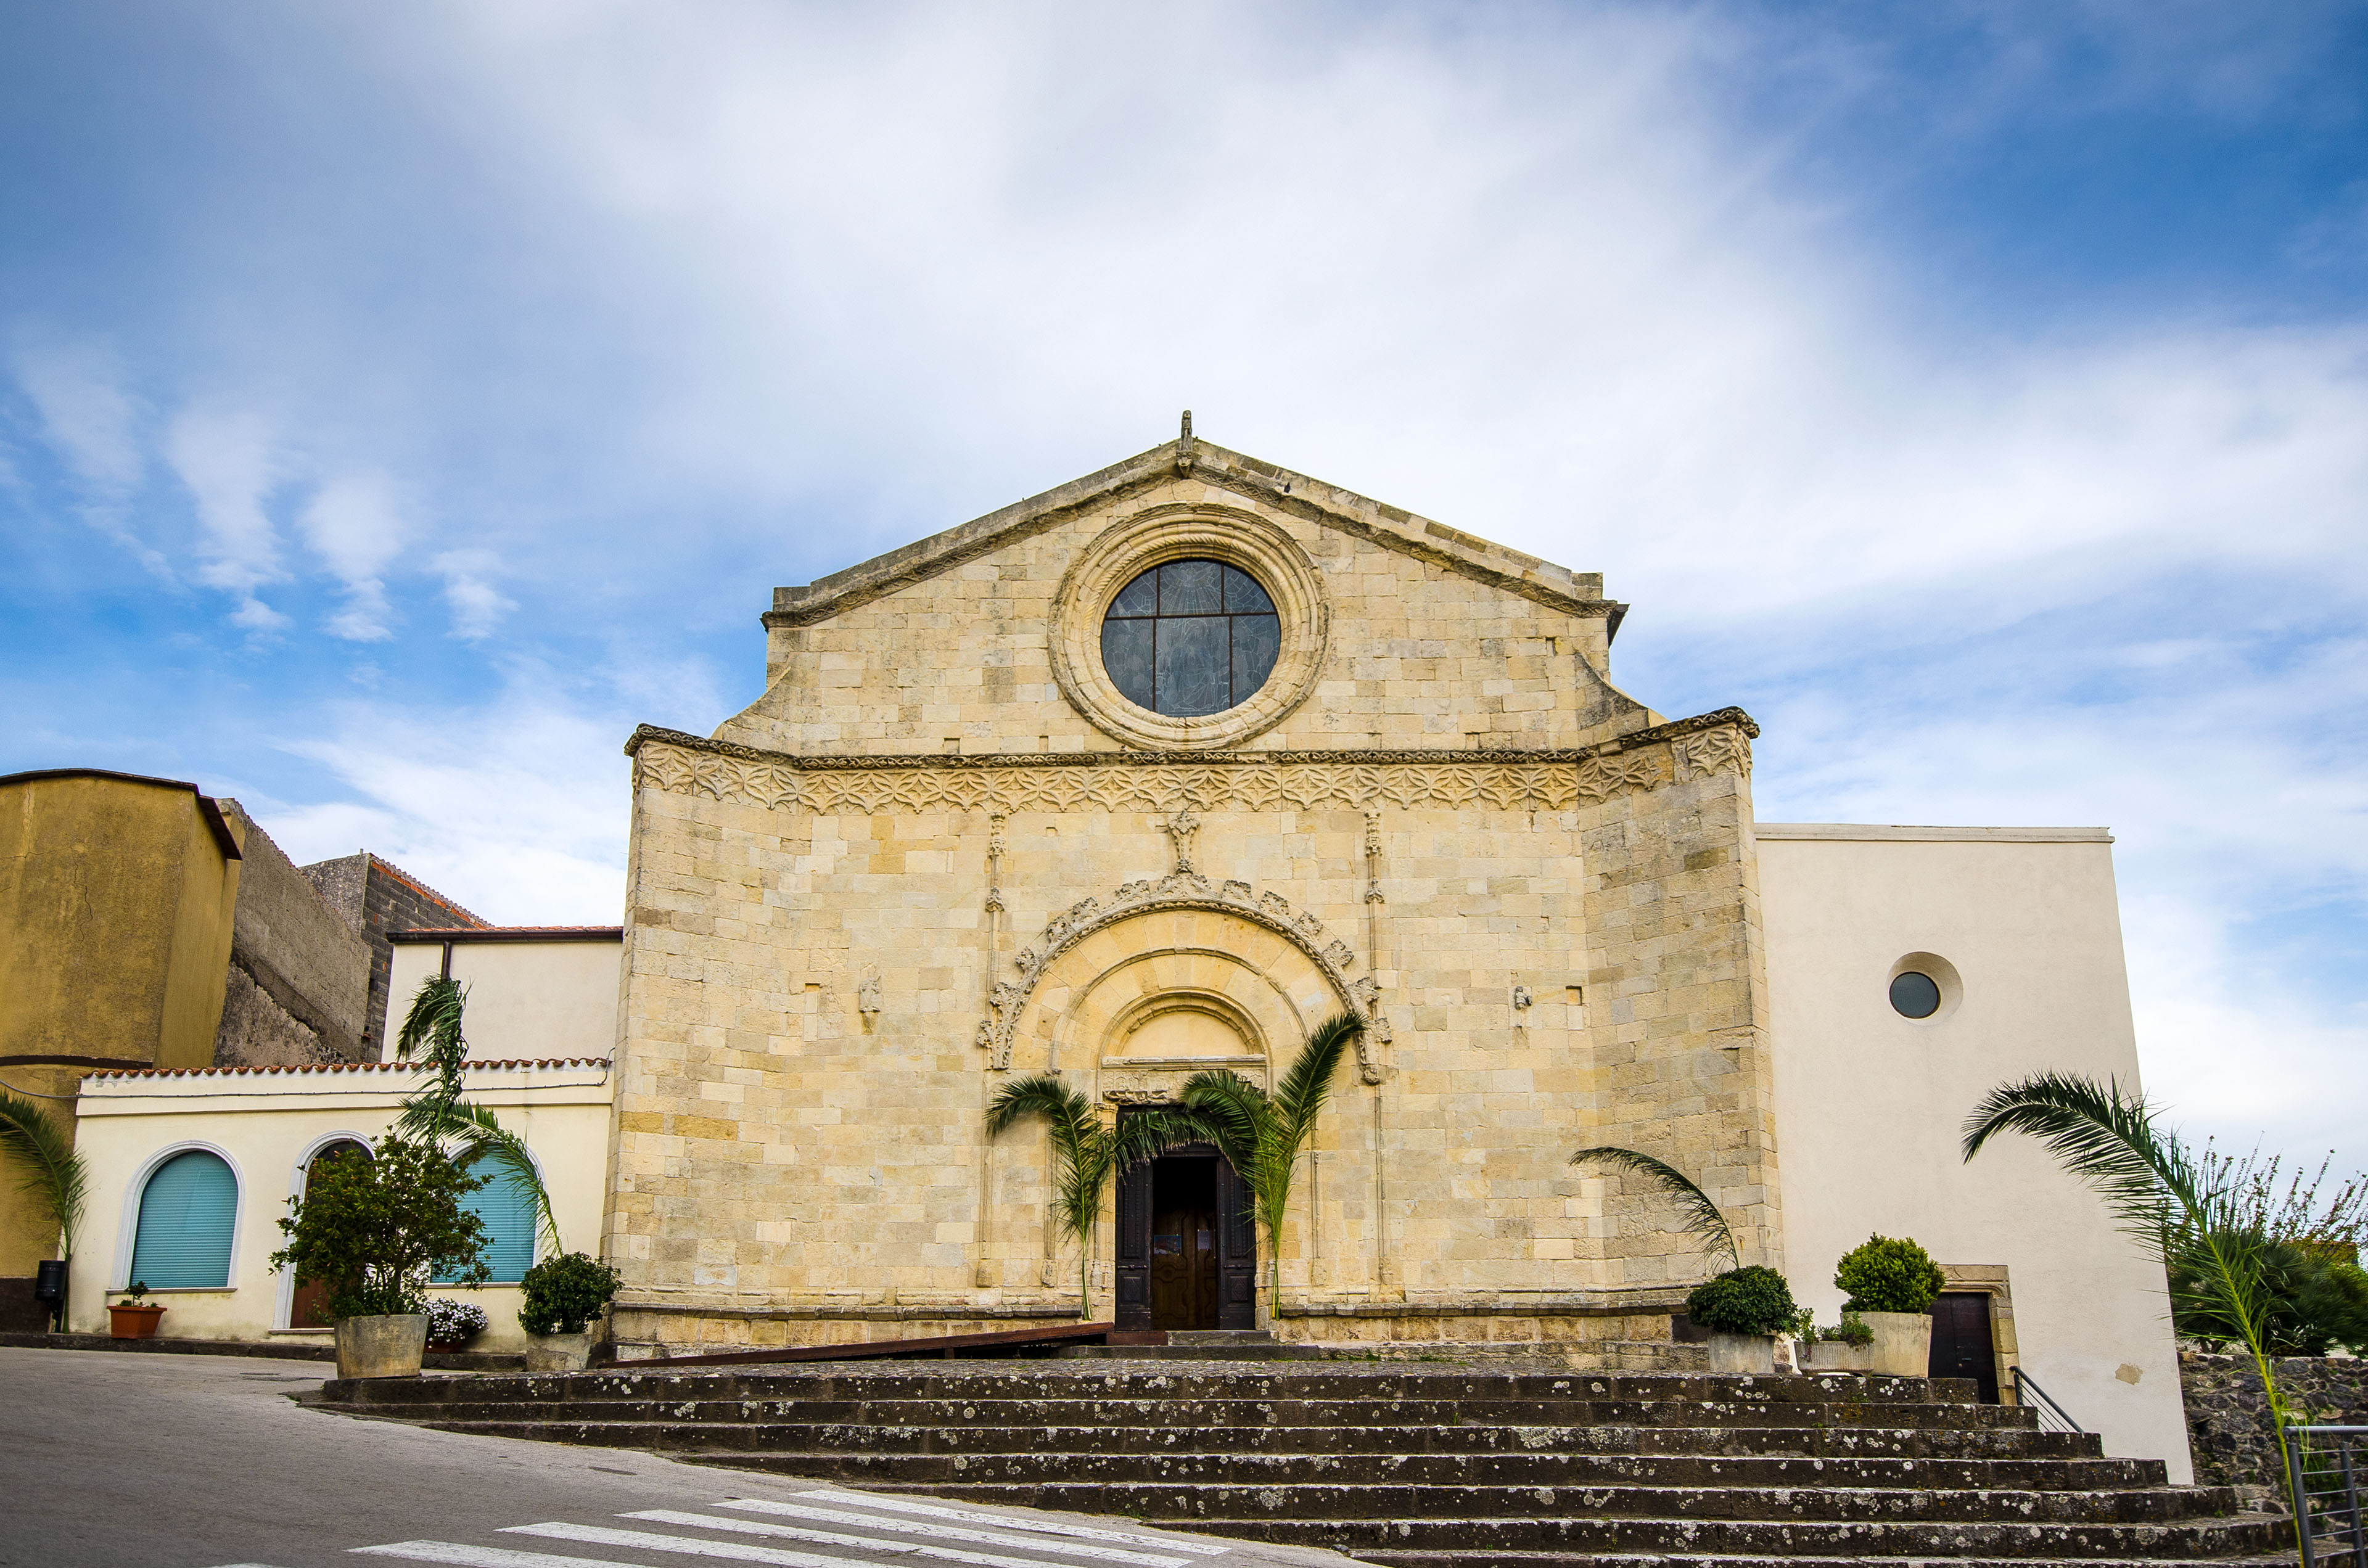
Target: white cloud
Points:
(354, 526)
(476, 605)
(516, 808)
(87, 417)
(230, 460)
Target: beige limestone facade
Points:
(943, 850)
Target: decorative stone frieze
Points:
(1560, 781)
(1183, 889)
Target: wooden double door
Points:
(1187, 1246)
(1962, 1342)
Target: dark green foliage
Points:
(566, 1292)
(48, 1170)
(371, 1229)
(1743, 1300)
(2311, 1303)
(1886, 1275)
(1852, 1330)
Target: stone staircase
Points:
(1414, 1466)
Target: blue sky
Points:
(398, 404)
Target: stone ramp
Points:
(1420, 1467)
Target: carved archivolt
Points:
(1692, 748)
(1183, 889)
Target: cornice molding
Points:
(1559, 780)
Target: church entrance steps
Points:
(1421, 1467)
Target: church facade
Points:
(1152, 773)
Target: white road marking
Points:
(974, 1517)
(832, 1538)
(600, 1535)
(947, 1532)
(482, 1556)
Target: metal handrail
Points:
(2053, 1417)
(2330, 1509)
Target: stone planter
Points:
(1833, 1355)
(558, 1352)
(133, 1323)
(1903, 1343)
(1751, 1353)
(388, 1346)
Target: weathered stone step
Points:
(754, 1443)
(1592, 1534)
(1390, 1559)
(1303, 1500)
(1210, 1413)
(1057, 1380)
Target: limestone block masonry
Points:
(936, 854)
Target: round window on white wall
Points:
(1924, 988)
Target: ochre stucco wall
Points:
(117, 900)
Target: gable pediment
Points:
(1253, 481)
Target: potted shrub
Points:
(451, 1324)
(133, 1317)
(1745, 1310)
(1891, 1283)
(371, 1230)
(563, 1296)
(1845, 1346)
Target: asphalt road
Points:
(114, 1460)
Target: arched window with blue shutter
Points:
(189, 1212)
(507, 1208)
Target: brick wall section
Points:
(2228, 1426)
(377, 897)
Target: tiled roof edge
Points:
(345, 1067)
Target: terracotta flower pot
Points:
(1903, 1343)
(133, 1323)
(387, 1346)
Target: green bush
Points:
(1852, 1330)
(371, 1229)
(564, 1294)
(1743, 1300)
(1884, 1275)
(2310, 1301)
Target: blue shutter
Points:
(507, 1208)
(187, 1211)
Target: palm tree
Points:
(432, 1029)
(1260, 1135)
(49, 1171)
(2164, 1196)
(1085, 1151)
(1701, 1219)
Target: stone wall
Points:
(2227, 1418)
(375, 898)
(935, 856)
(299, 973)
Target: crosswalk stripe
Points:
(739, 1551)
(976, 1516)
(484, 1556)
(950, 1532)
(832, 1538)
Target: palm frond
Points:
(1232, 1109)
(431, 1031)
(1042, 1094)
(1701, 1219)
(48, 1170)
(1144, 1135)
(1084, 1150)
(2105, 1138)
(1308, 1082)
(482, 1135)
